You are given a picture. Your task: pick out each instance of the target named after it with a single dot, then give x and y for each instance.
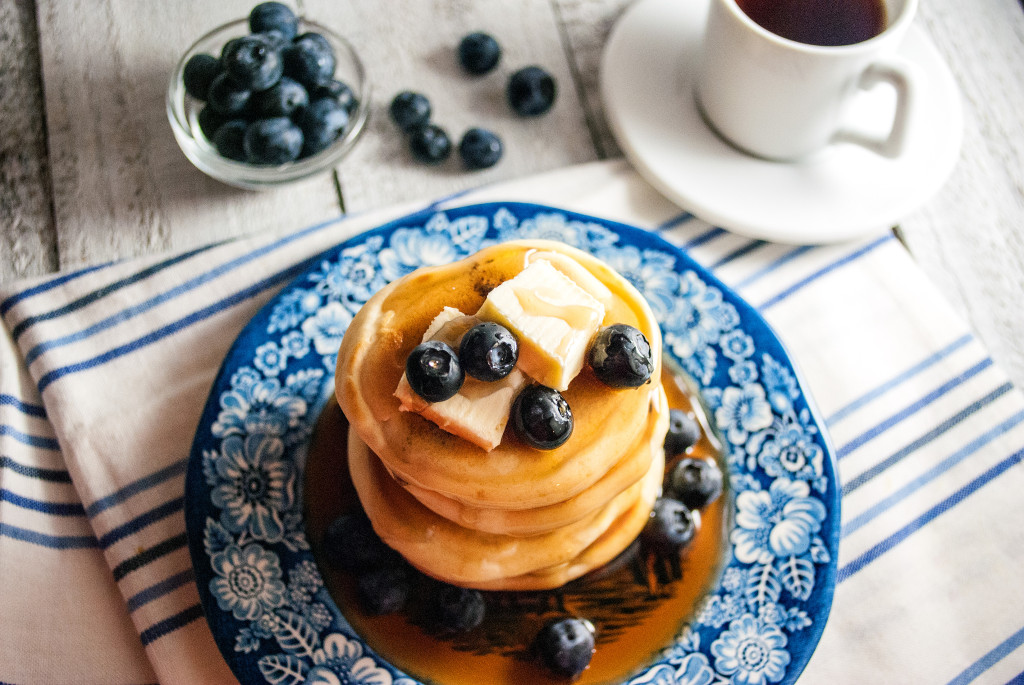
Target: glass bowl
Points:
(183, 114)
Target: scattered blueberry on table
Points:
(480, 148)
(410, 110)
(479, 53)
(278, 85)
(430, 144)
(531, 91)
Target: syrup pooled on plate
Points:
(638, 603)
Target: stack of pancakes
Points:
(514, 517)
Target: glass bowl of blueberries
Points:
(268, 99)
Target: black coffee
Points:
(819, 22)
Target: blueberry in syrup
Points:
(566, 646)
(384, 590)
(480, 149)
(274, 16)
(531, 91)
(433, 371)
(683, 432)
(198, 75)
(479, 53)
(351, 544)
(541, 417)
(488, 351)
(672, 526)
(458, 609)
(695, 482)
(621, 356)
(410, 110)
(253, 62)
(430, 144)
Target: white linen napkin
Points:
(104, 373)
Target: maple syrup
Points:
(637, 603)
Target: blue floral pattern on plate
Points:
(263, 596)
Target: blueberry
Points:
(253, 62)
(621, 356)
(227, 97)
(458, 609)
(282, 99)
(340, 91)
(531, 91)
(488, 351)
(430, 144)
(433, 371)
(566, 646)
(229, 139)
(198, 74)
(479, 53)
(321, 123)
(272, 141)
(384, 590)
(276, 39)
(480, 149)
(683, 432)
(309, 60)
(671, 527)
(410, 110)
(541, 417)
(695, 482)
(351, 544)
(209, 121)
(274, 16)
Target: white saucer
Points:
(840, 193)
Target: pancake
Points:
(522, 522)
(449, 552)
(512, 476)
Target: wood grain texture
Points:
(411, 46)
(121, 185)
(969, 238)
(27, 238)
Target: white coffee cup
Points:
(782, 100)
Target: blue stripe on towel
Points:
(989, 660)
(949, 423)
(47, 540)
(924, 519)
(148, 518)
(1017, 679)
(108, 289)
(905, 375)
(50, 508)
(677, 220)
(30, 440)
(913, 408)
(23, 407)
(705, 237)
(135, 487)
(853, 256)
(161, 549)
(52, 475)
(168, 295)
(175, 326)
(158, 590)
(170, 624)
(932, 473)
(737, 253)
(14, 299)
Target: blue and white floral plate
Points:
(265, 599)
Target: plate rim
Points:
(197, 492)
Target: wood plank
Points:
(412, 46)
(969, 239)
(27, 238)
(121, 185)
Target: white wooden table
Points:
(89, 170)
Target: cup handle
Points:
(900, 75)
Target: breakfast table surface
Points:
(91, 172)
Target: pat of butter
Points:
(552, 317)
(480, 410)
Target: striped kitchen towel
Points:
(104, 373)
